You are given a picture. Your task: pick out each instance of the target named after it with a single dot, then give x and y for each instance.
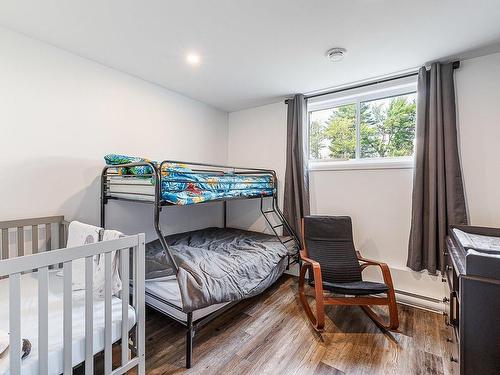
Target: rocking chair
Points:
(331, 258)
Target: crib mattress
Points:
(29, 323)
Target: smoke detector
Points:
(336, 54)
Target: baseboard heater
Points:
(420, 301)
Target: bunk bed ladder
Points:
(283, 223)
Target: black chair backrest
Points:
(329, 242)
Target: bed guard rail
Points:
(158, 174)
(130, 248)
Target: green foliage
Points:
(387, 132)
(387, 129)
(341, 131)
(316, 138)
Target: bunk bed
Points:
(194, 277)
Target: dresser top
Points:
(473, 250)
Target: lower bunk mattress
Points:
(29, 323)
(216, 265)
(164, 295)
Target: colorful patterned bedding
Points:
(182, 186)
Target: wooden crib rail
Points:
(35, 226)
(33, 221)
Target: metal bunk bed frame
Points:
(158, 204)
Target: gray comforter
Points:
(219, 265)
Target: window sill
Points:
(392, 163)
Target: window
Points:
(364, 127)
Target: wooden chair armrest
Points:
(314, 270)
(365, 260)
(305, 259)
(386, 272)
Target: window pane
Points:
(332, 133)
(387, 127)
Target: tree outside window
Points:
(386, 129)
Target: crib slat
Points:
(140, 307)
(20, 241)
(43, 320)
(34, 239)
(108, 368)
(5, 243)
(89, 316)
(134, 279)
(68, 317)
(62, 236)
(124, 272)
(15, 323)
(48, 237)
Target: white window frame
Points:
(356, 96)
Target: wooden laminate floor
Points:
(270, 334)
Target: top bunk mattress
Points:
(181, 185)
(144, 189)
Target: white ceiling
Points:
(257, 51)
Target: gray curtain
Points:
(296, 204)
(438, 194)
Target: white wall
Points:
(257, 138)
(478, 100)
(379, 201)
(60, 114)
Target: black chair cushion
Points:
(357, 288)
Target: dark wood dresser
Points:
(473, 277)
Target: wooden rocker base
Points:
(377, 319)
(318, 320)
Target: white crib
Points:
(28, 259)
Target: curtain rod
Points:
(456, 65)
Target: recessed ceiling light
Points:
(336, 54)
(193, 58)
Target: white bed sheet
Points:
(133, 186)
(29, 322)
(168, 289)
